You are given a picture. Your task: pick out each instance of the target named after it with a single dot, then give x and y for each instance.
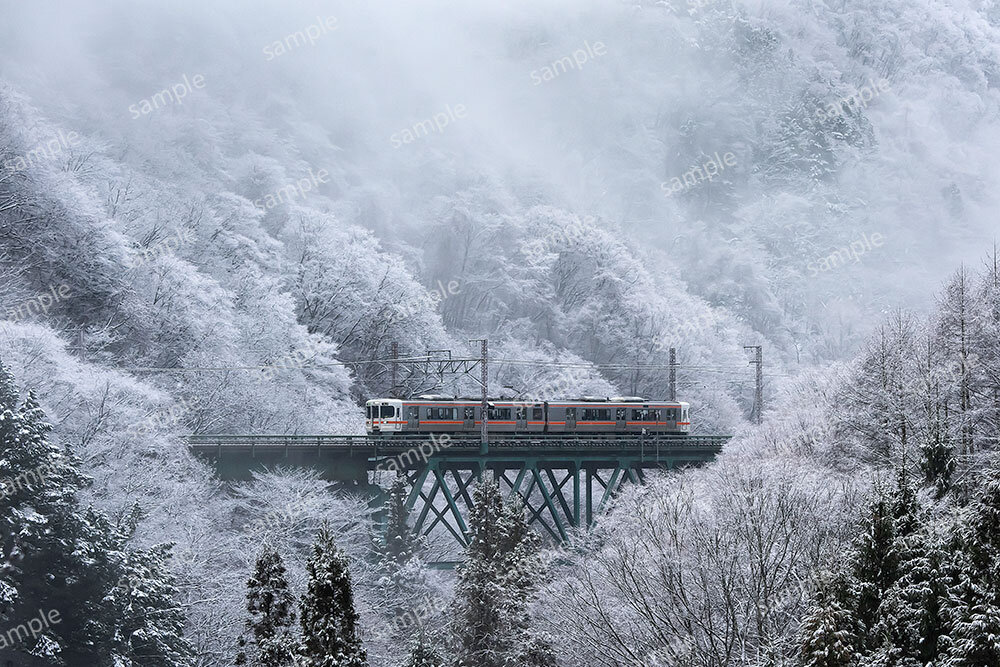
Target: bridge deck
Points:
(564, 480)
(377, 445)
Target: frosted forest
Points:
(227, 218)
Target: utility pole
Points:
(758, 396)
(673, 374)
(484, 437)
(395, 368)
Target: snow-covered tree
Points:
(270, 606)
(829, 632)
(490, 623)
(399, 544)
(973, 603)
(150, 626)
(423, 654)
(117, 606)
(327, 616)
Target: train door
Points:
(521, 418)
(621, 421)
(570, 419)
(413, 417)
(469, 418)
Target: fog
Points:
(674, 84)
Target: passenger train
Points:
(443, 414)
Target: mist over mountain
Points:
(220, 217)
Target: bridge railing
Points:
(498, 440)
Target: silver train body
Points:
(440, 414)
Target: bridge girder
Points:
(565, 483)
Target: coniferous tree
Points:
(854, 617)
(115, 606)
(423, 654)
(400, 543)
(491, 624)
(913, 621)
(874, 562)
(327, 615)
(829, 633)
(271, 614)
(974, 599)
(150, 624)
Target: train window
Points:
(470, 413)
(522, 413)
(537, 414)
(620, 414)
(368, 412)
(441, 413)
(500, 414)
(645, 415)
(595, 414)
(414, 413)
(571, 413)
(388, 411)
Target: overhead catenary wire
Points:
(735, 370)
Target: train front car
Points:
(383, 416)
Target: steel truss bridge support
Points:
(559, 493)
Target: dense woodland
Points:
(166, 272)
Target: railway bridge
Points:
(564, 481)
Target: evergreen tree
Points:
(115, 606)
(423, 654)
(491, 624)
(150, 623)
(829, 633)
(974, 599)
(854, 619)
(269, 604)
(913, 620)
(327, 615)
(400, 544)
(874, 563)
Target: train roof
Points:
(438, 398)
